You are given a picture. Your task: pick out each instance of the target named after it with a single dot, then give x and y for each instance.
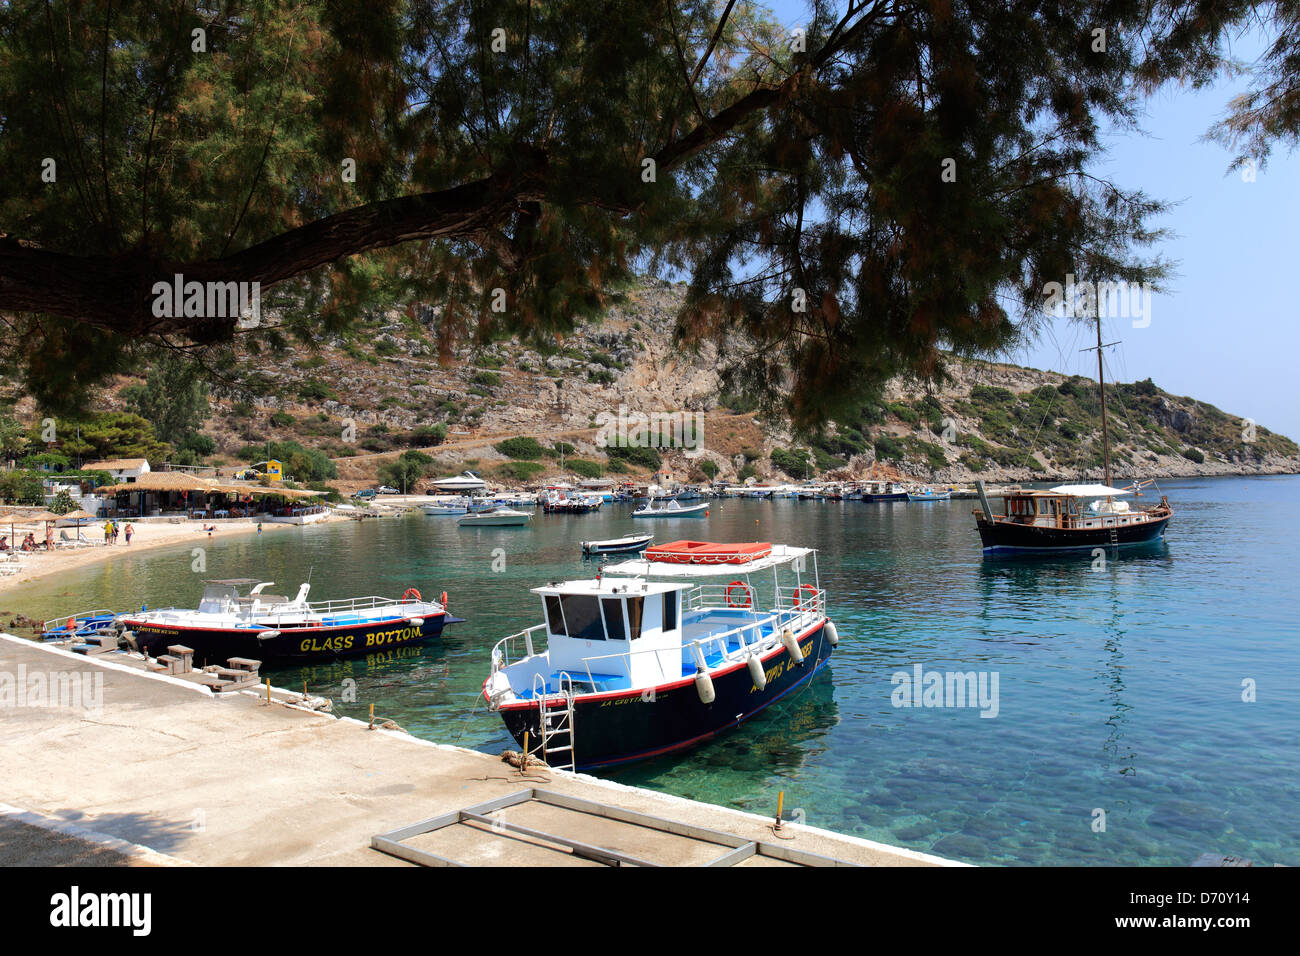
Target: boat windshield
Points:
(218, 597)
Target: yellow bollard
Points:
(523, 760)
(780, 805)
(372, 716)
(268, 690)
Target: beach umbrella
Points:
(48, 517)
(10, 519)
(79, 516)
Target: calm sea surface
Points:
(1120, 688)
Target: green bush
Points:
(520, 447)
(992, 395)
(485, 379)
(793, 463)
(888, 448)
(583, 467)
(424, 435)
(1194, 455)
(519, 470)
(643, 457)
(312, 390)
(904, 412)
(709, 468)
(283, 420)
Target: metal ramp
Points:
(610, 836)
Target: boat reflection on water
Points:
(779, 743)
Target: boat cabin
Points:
(614, 633)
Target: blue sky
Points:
(1226, 332)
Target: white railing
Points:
(501, 651)
(272, 615)
(80, 617)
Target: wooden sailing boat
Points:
(1070, 517)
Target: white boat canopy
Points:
(1090, 491)
(642, 568)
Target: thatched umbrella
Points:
(79, 516)
(48, 517)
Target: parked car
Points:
(248, 474)
(388, 490)
(365, 494)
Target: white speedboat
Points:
(495, 517)
(673, 509)
(446, 505)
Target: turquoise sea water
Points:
(1120, 688)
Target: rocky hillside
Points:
(363, 400)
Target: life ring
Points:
(411, 594)
(812, 598)
(744, 589)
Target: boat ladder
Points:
(1114, 536)
(556, 722)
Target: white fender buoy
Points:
(267, 635)
(417, 621)
(791, 646)
(704, 686)
(832, 635)
(756, 671)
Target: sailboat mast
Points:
(1101, 381)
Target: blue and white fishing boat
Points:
(653, 657)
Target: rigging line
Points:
(1129, 422)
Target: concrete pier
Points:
(153, 770)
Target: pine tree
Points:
(888, 181)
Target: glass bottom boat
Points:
(650, 657)
(270, 628)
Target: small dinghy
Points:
(624, 545)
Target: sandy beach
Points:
(148, 535)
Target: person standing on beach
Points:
(259, 527)
(129, 531)
(108, 531)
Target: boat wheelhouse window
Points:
(554, 619)
(670, 610)
(613, 608)
(635, 607)
(582, 615)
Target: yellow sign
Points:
(273, 471)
